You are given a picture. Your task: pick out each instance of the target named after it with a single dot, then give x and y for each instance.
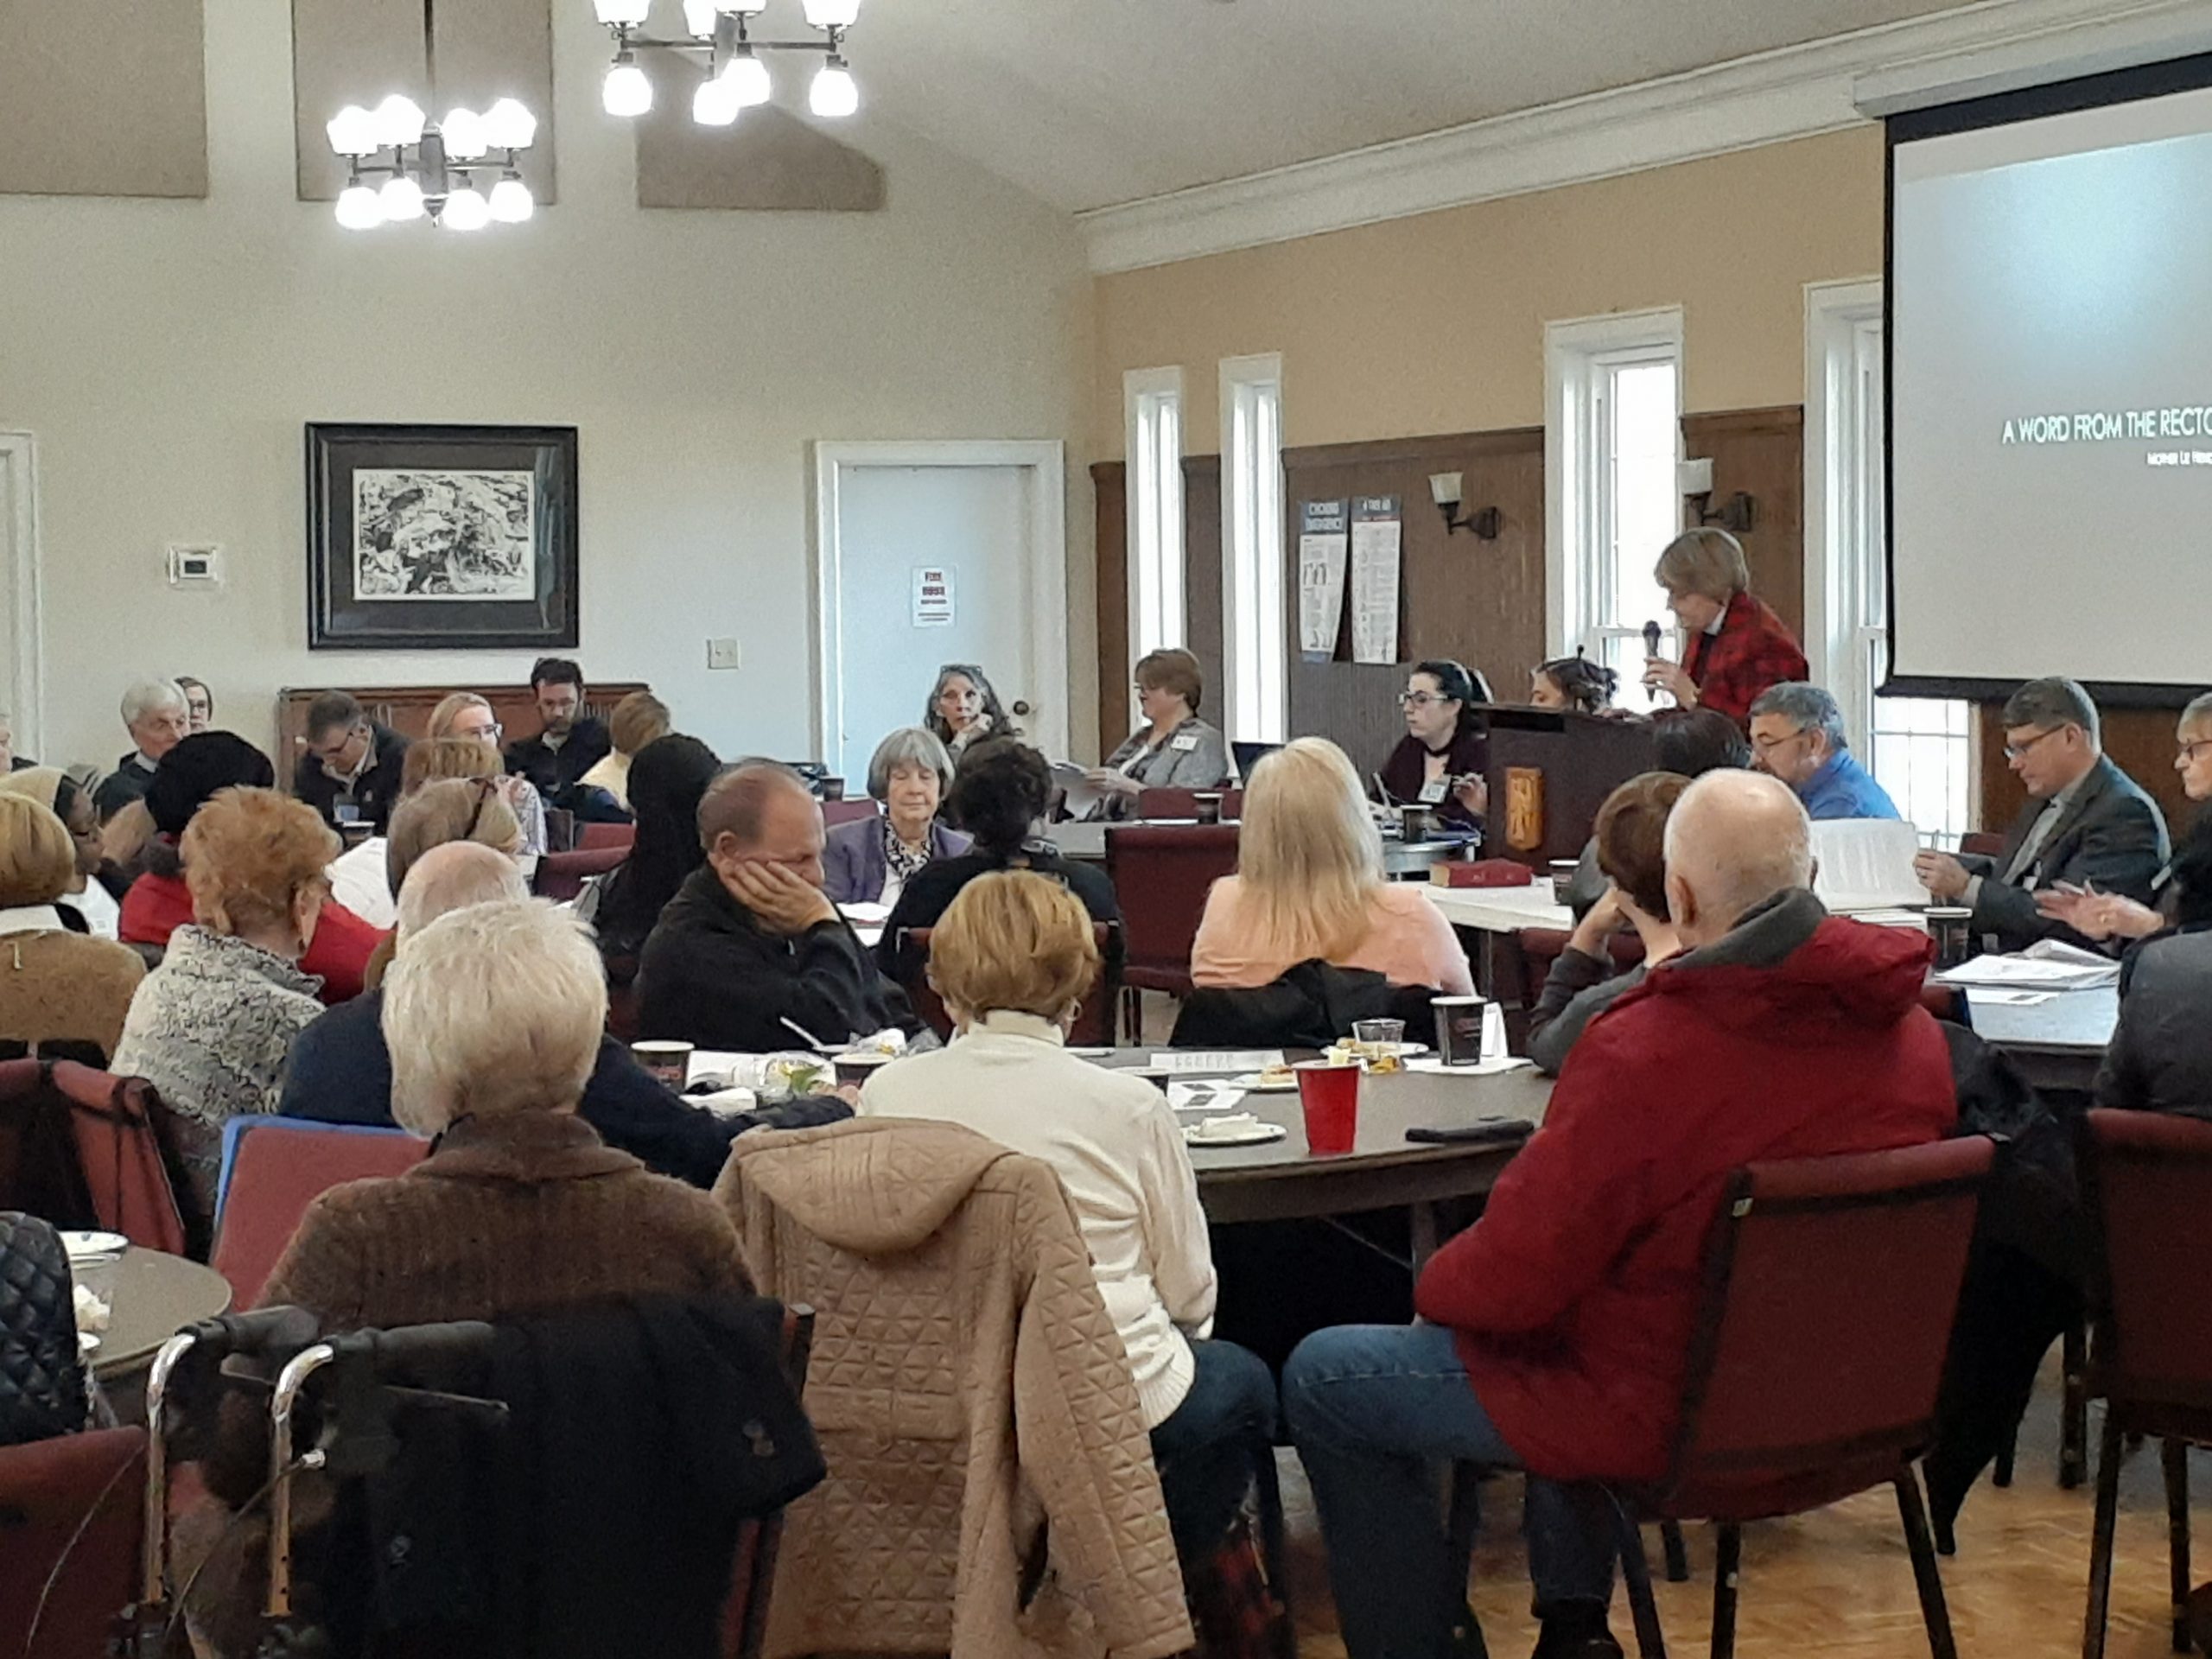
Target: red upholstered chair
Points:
(1094, 1022)
(1830, 1288)
(595, 837)
(2146, 1180)
(71, 1516)
(1981, 843)
(83, 1149)
(281, 1166)
(1541, 947)
(1161, 805)
(561, 876)
(837, 813)
(1161, 873)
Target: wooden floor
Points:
(1839, 1582)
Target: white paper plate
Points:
(1092, 1053)
(93, 1247)
(1241, 1134)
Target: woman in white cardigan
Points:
(1010, 958)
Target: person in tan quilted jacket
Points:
(55, 984)
(973, 1399)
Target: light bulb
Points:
(715, 105)
(463, 133)
(508, 124)
(626, 91)
(359, 208)
(466, 210)
(512, 202)
(401, 199)
(747, 77)
(833, 96)
(399, 121)
(611, 12)
(699, 18)
(352, 131)
(832, 14)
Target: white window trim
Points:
(1259, 713)
(1154, 513)
(1574, 351)
(1833, 312)
(25, 684)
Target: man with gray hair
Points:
(340, 1070)
(2087, 826)
(1566, 1312)
(156, 715)
(1797, 736)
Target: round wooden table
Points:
(151, 1297)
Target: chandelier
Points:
(420, 167)
(736, 71)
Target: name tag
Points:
(1184, 744)
(1434, 791)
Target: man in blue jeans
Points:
(1560, 1324)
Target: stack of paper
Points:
(1865, 864)
(2046, 965)
(1079, 793)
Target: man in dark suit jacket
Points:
(568, 743)
(2086, 823)
(352, 769)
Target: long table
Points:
(2057, 1043)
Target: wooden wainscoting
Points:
(406, 709)
(1762, 452)
(2139, 740)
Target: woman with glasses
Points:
(2109, 916)
(1439, 762)
(963, 711)
(1738, 645)
(465, 714)
(1174, 749)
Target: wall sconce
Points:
(1695, 480)
(1446, 489)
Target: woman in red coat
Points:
(1738, 645)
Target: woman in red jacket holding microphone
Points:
(1738, 645)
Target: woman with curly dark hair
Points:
(1574, 683)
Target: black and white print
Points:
(423, 533)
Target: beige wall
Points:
(1436, 324)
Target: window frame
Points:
(1255, 620)
(1158, 612)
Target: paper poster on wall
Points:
(932, 596)
(1321, 551)
(1377, 523)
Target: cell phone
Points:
(1483, 1132)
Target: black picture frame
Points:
(506, 519)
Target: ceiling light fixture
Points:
(737, 66)
(429, 169)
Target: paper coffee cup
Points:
(669, 1062)
(1460, 1022)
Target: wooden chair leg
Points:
(1676, 1552)
(1635, 1575)
(1925, 1576)
(2175, 1455)
(1727, 1564)
(2074, 1419)
(2093, 1627)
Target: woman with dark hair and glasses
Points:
(1439, 761)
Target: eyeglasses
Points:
(491, 733)
(332, 751)
(1421, 699)
(2189, 750)
(1769, 744)
(486, 789)
(2018, 751)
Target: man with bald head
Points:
(751, 946)
(339, 1070)
(1559, 1326)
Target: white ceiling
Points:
(1087, 103)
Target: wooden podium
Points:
(1548, 772)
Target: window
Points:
(1153, 401)
(1256, 632)
(1920, 749)
(1614, 439)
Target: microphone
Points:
(1651, 638)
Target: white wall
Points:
(166, 356)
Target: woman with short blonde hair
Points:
(209, 1027)
(1012, 955)
(1309, 884)
(465, 714)
(1737, 646)
(55, 984)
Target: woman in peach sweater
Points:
(1309, 883)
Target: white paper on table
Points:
(1201, 1097)
(1493, 1032)
(1983, 998)
(2041, 967)
(861, 913)
(1896, 918)
(1867, 864)
(1223, 1062)
(1080, 794)
(1488, 1068)
(1376, 539)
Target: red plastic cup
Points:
(1330, 1093)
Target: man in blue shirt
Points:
(1797, 736)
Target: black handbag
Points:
(42, 1388)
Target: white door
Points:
(929, 562)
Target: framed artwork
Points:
(421, 537)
